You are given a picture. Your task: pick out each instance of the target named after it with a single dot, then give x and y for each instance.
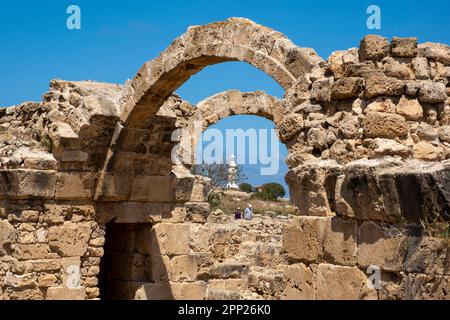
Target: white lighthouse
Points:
(232, 172)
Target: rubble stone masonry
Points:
(92, 206)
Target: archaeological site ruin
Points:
(93, 207)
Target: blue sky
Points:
(117, 37)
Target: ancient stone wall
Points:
(93, 206)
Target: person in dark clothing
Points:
(237, 213)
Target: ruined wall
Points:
(87, 173)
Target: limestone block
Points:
(74, 156)
(69, 239)
(171, 238)
(421, 69)
(373, 47)
(230, 270)
(342, 283)
(75, 185)
(377, 85)
(31, 251)
(220, 294)
(317, 138)
(228, 284)
(339, 246)
(160, 268)
(25, 294)
(61, 293)
(410, 109)
(132, 212)
(444, 133)
(184, 268)
(172, 291)
(32, 183)
(404, 47)
(290, 126)
(428, 255)
(197, 211)
(8, 236)
(432, 92)
(303, 239)
(363, 194)
(381, 245)
(47, 280)
(384, 125)
(301, 283)
(436, 51)
(427, 287)
(307, 188)
(381, 104)
(153, 188)
(266, 282)
(320, 90)
(114, 186)
(362, 69)
(346, 88)
(428, 152)
(386, 147)
(338, 60)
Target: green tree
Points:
(246, 187)
(271, 192)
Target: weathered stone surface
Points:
(153, 189)
(382, 245)
(410, 109)
(184, 268)
(428, 152)
(381, 104)
(444, 134)
(8, 236)
(172, 291)
(290, 126)
(164, 242)
(339, 246)
(320, 90)
(61, 293)
(387, 147)
(362, 194)
(404, 47)
(316, 239)
(428, 255)
(70, 239)
(197, 211)
(384, 125)
(418, 287)
(301, 283)
(399, 70)
(432, 92)
(436, 51)
(377, 85)
(74, 185)
(373, 47)
(345, 88)
(342, 283)
(317, 138)
(421, 68)
(338, 61)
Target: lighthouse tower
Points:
(232, 172)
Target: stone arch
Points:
(235, 39)
(222, 105)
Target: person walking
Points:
(238, 213)
(248, 213)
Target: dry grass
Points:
(272, 208)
